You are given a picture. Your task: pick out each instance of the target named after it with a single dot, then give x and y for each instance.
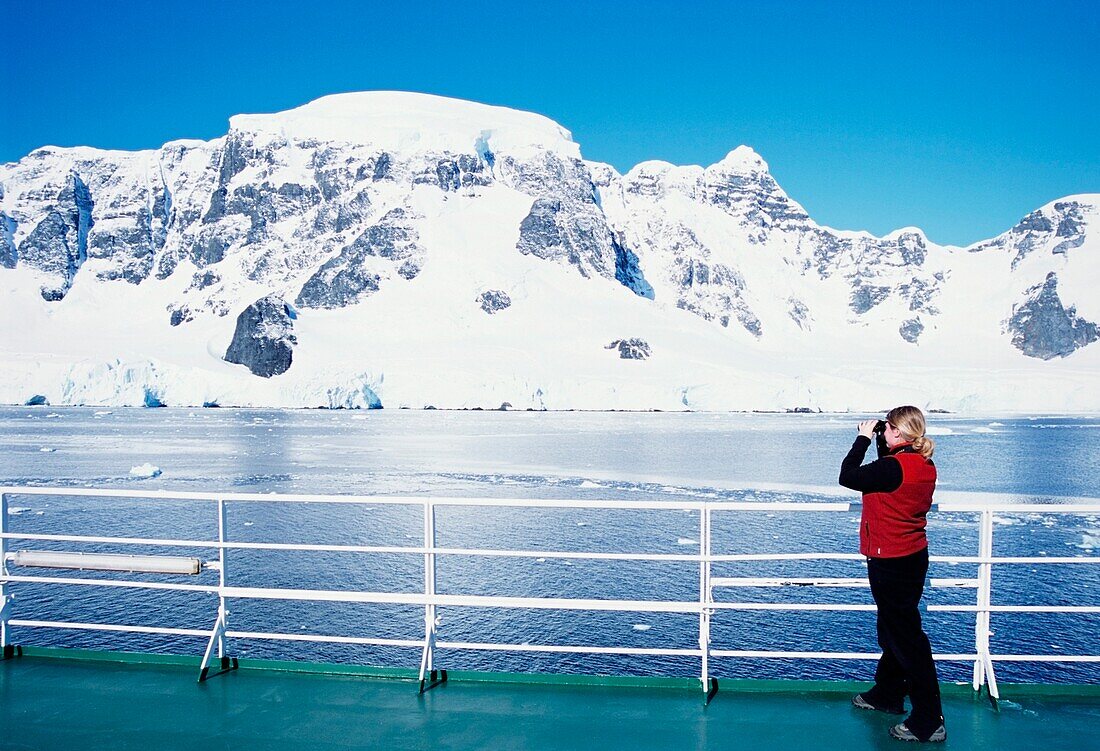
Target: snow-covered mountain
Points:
(407, 250)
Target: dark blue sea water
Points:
(673, 457)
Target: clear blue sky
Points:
(957, 117)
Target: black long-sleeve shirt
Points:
(880, 476)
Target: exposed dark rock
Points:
(58, 244)
(345, 278)
(408, 270)
(799, 313)
(492, 300)
(911, 330)
(913, 248)
(630, 349)
(180, 314)
(8, 254)
(263, 340)
(1041, 327)
(866, 296)
(204, 279)
(453, 172)
(383, 166)
(628, 272)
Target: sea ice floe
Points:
(582, 524)
(590, 484)
(101, 413)
(47, 450)
(17, 509)
(686, 541)
(982, 429)
(642, 627)
(146, 470)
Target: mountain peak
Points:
(743, 159)
(403, 121)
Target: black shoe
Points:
(861, 702)
(903, 733)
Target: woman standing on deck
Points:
(897, 493)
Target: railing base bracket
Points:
(433, 679)
(712, 689)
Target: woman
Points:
(897, 493)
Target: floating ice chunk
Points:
(939, 430)
(17, 509)
(540, 560)
(982, 429)
(1090, 540)
(47, 450)
(53, 414)
(686, 541)
(642, 627)
(101, 413)
(146, 471)
(996, 424)
(249, 524)
(590, 484)
(582, 524)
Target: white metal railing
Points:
(705, 606)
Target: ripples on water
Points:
(673, 457)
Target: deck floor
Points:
(52, 703)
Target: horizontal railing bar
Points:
(791, 581)
(481, 601)
(109, 583)
(1017, 608)
(747, 653)
(1082, 505)
(954, 583)
(820, 655)
(569, 649)
(320, 638)
(787, 581)
(418, 550)
(1046, 658)
(110, 627)
(786, 606)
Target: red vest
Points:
(892, 524)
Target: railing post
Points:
(5, 604)
(710, 686)
(217, 635)
(429, 677)
(222, 612)
(983, 665)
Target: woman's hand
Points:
(867, 428)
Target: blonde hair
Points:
(910, 423)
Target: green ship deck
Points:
(61, 699)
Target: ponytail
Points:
(924, 446)
(910, 423)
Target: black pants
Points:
(906, 666)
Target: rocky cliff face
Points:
(346, 200)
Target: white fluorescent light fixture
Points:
(148, 564)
